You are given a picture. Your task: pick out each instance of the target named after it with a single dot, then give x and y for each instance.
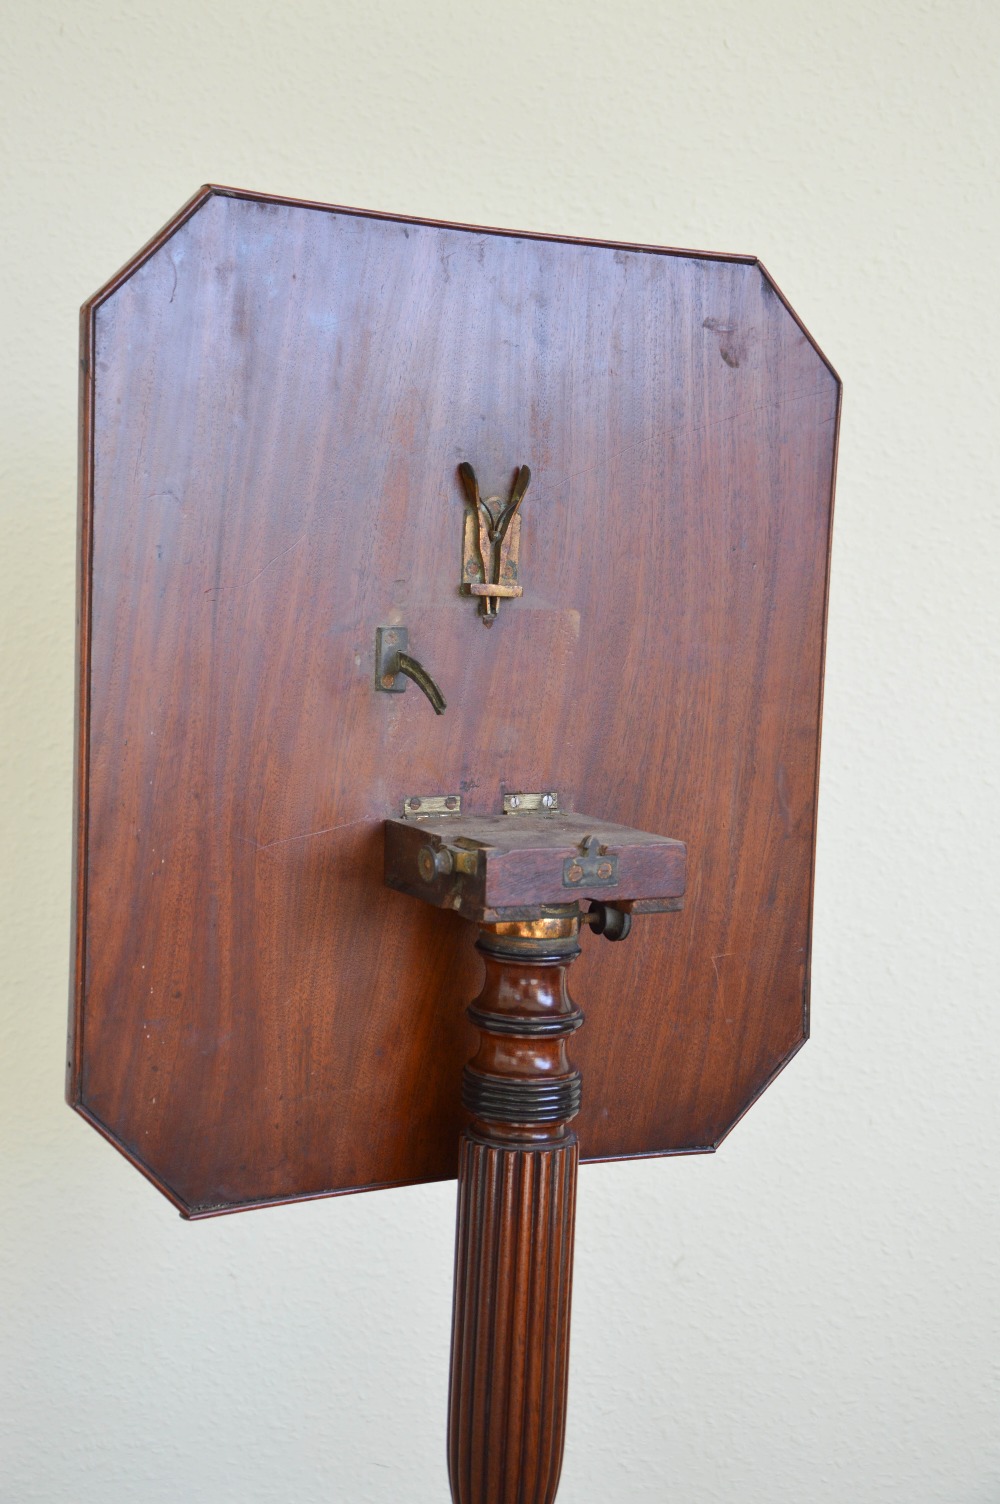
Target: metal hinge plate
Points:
(422, 806)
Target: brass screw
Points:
(605, 870)
(574, 873)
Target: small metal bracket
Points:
(423, 806)
(593, 865)
(531, 804)
(491, 542)
(393, 666)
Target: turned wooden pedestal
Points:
(523, 879)
(516, 1205)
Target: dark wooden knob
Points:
(516, 1205)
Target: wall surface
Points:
(811, 1315)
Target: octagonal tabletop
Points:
(276, 400)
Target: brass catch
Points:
(492, 542)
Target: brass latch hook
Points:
(492, 535)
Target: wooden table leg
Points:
(516, 1206)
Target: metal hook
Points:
(392, 662)
(422, 679)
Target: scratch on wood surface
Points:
(284, 551)
(215, 589)
(784, 802)
(721, 956)
(305, 835)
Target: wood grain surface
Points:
(276, 400)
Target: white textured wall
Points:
(811, 1317)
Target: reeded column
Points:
(516, 1205)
